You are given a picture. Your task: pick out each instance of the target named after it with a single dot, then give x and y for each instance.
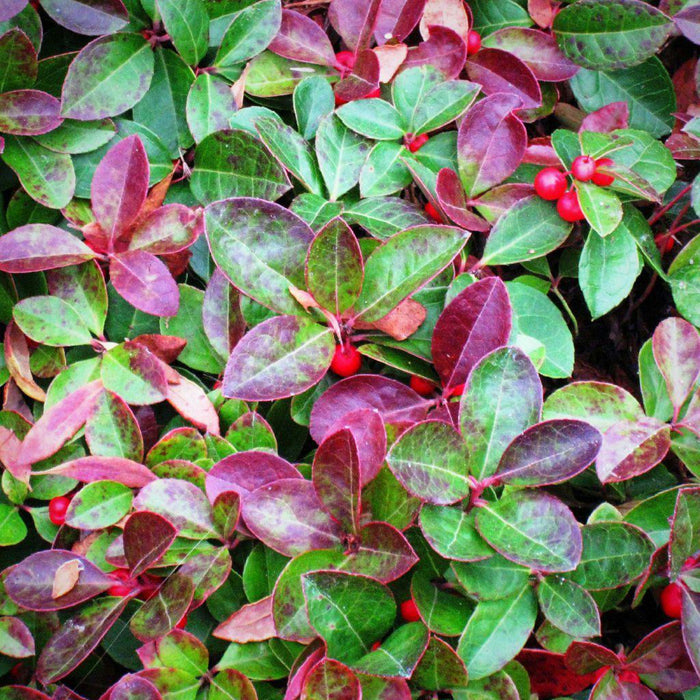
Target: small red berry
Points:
(409, 611)
(603, 179)
(421, 386)
(664, 243)
(376, 645)
(583, 168)
(473, 42)
(415, 143)
(550, 183)
(124, 585)
(569, 208)
(57, 509)
(433, 213)
(671, 600)
(628, 677)
(346, 360)
(345, 60)
(182, 624)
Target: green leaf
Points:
(198, 353)
(452, 534)
(249, 32)
(646, 88)
(187, 23)
(609, 34)
(374, 118)
(334, 269)
(12, 527)
(443, 104)
(496, 632)
(47, 177)
(444, 612)
(271, 75)
(684, 276)
(261, 247)
(51, 321)
(430, 460)
(112, 429)
(529, 229)
(384, 171)
(280, 357)
(491, 16)
(341, 154)
(313, 99)
(235, 164)
(292, 151)
(614, 554)
(502, 398)
(492, 578)
(568, 607)
(601, 207)
(99, 504)
(78, 137)
(532, 528)
(158, 615)
(411, 87)
(210, 103)
(398, 655)
(608, 268)
(403, 264)
(384, 216)
(348, 611)
(685, 539)
(110, 75)
(162, 109)
(133, 373)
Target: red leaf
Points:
(119, 469)
(147, 536)
(363, 79)
(191, 402)
(549, 675)
(251, 623)
(444, 50)
(354, 20)
(120, 185)
(397, 19)
(17, 361)
(145, 282)
(614, 115)
(453, 201)
(29, 112)
(301, 39)
(501, 72)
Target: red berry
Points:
(57, 509)
(376, 645)
(433, 213)
(409, 611)
(183, 622)
(345, 60)
(583, 168)
(603, 179)
(124, 585)
(628, 677)
(346, 360)
(664, 243)
(473, 42)
(568, 207)
(421, 386)
(415, 143)
(671, 600)
(550, 183)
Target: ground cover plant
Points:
(350, 349)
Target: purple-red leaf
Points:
(690, 617)
(147, 537)
(59, 423)
(30, 583)
(222, 319)
(585, 657)
(363, 79)
(37, 247)
(145, 282)
(131, 687)
(537, 50)
(167, 229)
(501, 72)
(608, 118)
(89, 469)
(477, 321)
(244, 472)
(397, 404)
(454, 202)
(658, 650)
(10, 8)
(444, 50)
(549, 452)
(383, 553)
(301, 39)
(354, 20)
(77, 638)
(331, 679)
(397, 19)
(93, 17)
(491, 142)
(336, 478)
(289, 518)
(251, 623)
(29, 112)
(676, 348)
(120, 185)
(631, 448)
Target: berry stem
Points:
(655, 217)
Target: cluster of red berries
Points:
(551, 184)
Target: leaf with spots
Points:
(158, 615)
(51, 321)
